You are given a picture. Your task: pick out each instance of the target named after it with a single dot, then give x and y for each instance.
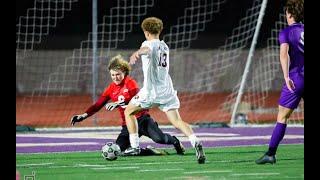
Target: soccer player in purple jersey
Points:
(291, 41)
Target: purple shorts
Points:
(291, 99)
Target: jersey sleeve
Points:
(107, 91)
(283, 37)
(133, 87)
(146, 44)
(103, 99)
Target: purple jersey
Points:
(294, 36)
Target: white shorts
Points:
(165, 103)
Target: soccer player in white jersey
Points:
(157, 90)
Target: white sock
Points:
(193, 140)
(134, 140)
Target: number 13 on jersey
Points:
(162, 59)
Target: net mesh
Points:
(54, 85)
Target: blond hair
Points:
(118, 63)
(153, 25)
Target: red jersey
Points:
(122, 92)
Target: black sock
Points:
(271, 151)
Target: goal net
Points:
(53, 85)
(262, 90)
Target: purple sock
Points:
(277, 136)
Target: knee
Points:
(128, 112)
(283, 118)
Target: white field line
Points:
(90, 128)
(190, 177)
(106, 166)
(57, 167)
(217, 147)
(56, 144)
(161, 126)
(100, 167)
(182, 139)
(249, 138)
(89, 165)
(157, 170)
(255, 174)
(116, 168)
(253, 145)
(213, 171)
(108, 135)
(38, 164)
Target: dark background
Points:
(76, 24)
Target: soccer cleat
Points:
(178, 146)
(132, 151)
(200, 153)
(266, 159)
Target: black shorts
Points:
(147, 127)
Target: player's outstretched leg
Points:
(178, 146)
(175, 119)
(276, 137)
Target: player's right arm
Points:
(285, 59)
(144, 50)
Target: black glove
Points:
(111, 106)
(78, 118)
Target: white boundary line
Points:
(255, 174)
(210, 171)
(38, 164)
(89, 128)
(161, 126)
(89, 151)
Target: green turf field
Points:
(222, 163)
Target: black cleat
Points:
(132, 151)
(178, 146)
(200, 153)
(266, 159)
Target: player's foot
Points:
(200, 153)
(178, 146)
(132, 151)
(266, 159)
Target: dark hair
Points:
(118, 63)
(296, 9)
(152, 25)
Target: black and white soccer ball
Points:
(110, 151)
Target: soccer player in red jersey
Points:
(120, 92)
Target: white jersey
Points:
(157, 84)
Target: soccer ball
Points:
(110, 151)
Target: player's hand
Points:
(78, 118)
(111, 106)
(290, 84)
(134, 57)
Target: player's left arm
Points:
(136, 55)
